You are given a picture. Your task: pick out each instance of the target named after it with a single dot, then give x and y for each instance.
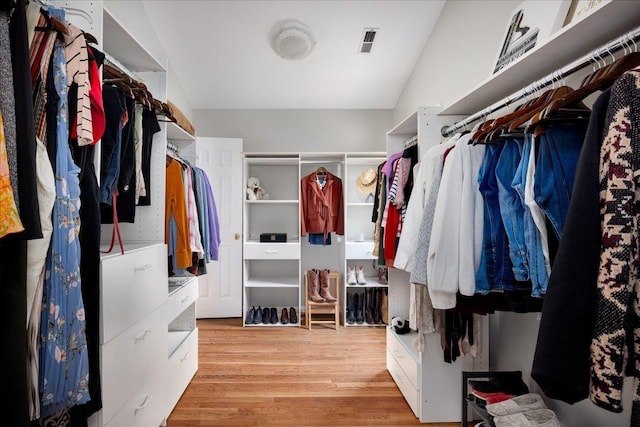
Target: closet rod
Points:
(613, 46)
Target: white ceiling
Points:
(222, 56)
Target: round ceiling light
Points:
(291, 39)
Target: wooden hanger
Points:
(321, 171)
(605, 77)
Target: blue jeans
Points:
(555, 171)
(511, 207)
(497, 263)
(537, 268)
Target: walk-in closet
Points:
(320, 213)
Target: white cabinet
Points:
(360, 230)
(271, 270)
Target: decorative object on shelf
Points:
(273, 237)
(367, 180)
(255, 191)
(531, 23)
(400, 325)
(582, 8)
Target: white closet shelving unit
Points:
(148, 338)
(434, 391)
(271, 276)
(430, 386)
(359, 229)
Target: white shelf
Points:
(568, 44)
(271, 202)
(175, 338)
(372, 282)
(272, 282)
(176, 133)
(370, 204)
(120, 44)
(407, 342)
(272, 159)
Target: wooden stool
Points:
(322, 308)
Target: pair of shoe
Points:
(355, 275)
(261, 315)
(318, 285)
(525, 410)
(288, 317)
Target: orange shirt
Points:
(176, 206)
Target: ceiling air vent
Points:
(368, 36)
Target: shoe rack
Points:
(271, 276)
(364, 280)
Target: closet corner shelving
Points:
(148, 338)
(359, 229)
(271, 271)
(429, 385)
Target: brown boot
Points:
(313, 279)
(324, 286)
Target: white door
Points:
(220, 289)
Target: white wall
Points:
(299, 130)
(456, 58)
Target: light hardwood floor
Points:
(291, 377)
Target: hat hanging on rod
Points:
(366, 181)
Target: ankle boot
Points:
(377, 306)
(266, 315)
(274, 315)
(284, 316)
(360, 275)
(293, 316)
(368, 296)
(324, 286)
(351, 309)
(351, 276)
(314, 280)
(382, 275)
(258, 316)
(251, 315)
(359, 302)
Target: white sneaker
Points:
(351, 276)
(360, 275)
(536, 417)
(523, 403)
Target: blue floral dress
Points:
(64, 365)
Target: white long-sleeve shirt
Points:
(456, 239)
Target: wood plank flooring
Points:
(291, 377)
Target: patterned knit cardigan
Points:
(615, 348)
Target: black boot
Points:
(266, 315)
(368, 297)
(351, 309)
(359, 301)
(251, 315)
(258, 316)
(377, 305)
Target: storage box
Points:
(273, 237)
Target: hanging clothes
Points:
(150, 127)
(176, 218)
(9, 218)
(322, 210)
(64, 370)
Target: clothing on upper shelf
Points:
(322, 209)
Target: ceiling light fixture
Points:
(291, 39)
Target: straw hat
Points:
(366, 181)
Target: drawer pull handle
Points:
(271, 251)
(144, 403)
(185, 299)
(142, 336)
(399, 354)
(185, 357)
(143, 267)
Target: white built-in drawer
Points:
(272, 250)
(405, 357)
(182, 298)
(146, 408)
(131, 358)
(359, 250)
(410, 393)
(183, 365)
(132, 286)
